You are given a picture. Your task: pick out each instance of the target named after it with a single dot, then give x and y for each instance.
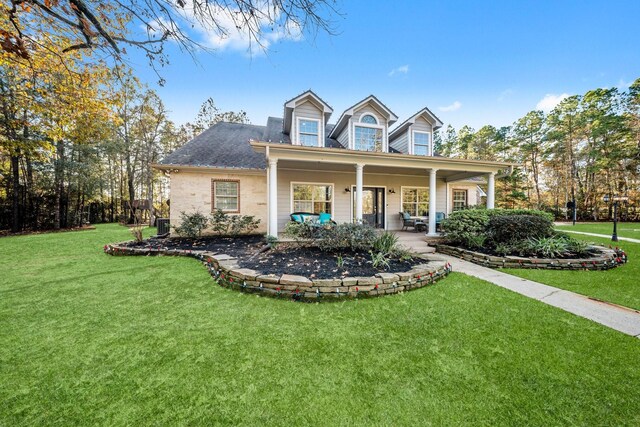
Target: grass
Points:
(624, 229)
(619, 286)
(91, 339)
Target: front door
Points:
(373, 206)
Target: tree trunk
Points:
(15, 199)
(59, 185)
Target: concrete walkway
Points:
(613, 316)
(626, 239)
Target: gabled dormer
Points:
(365, 126)
(305, 119)
(415, 135)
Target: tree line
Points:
(587, 147)
(79, 148)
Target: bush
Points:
(347, 236)
(191, 225)
(232, 225)
(300, 230)
(243, 224)
(549, 247)
(463, 226)
(470, 227)
(220, 222)
(386, 243)
(514, 228)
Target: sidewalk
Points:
(616, 317)
(626, 239)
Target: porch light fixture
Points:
(347, 190)
(392, 191)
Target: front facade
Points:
(362, 168)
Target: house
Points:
(360, 168)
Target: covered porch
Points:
(367, 187)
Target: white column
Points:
(359, 181)
(491, 190)
(432, 202)
(273, 197)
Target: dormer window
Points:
(422, 143)
(368, 138)
(309, 132)
(368, 118)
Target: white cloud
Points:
(550, 101)
(403, 69)
(227, 31)
(453, 107)
(623, 84)
(505, 94)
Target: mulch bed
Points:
(591, 253)
(286, 259)
(239, 247)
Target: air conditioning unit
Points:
(163, 226)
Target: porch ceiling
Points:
(447, 175)
(342, 160)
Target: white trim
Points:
(297, 130)
(409, 186)
(453, 197)
(430, 145)
(333, 193)
(386, 201)
(385, 145)
(366, 113)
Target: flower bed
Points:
(605, 260)
(228, 273)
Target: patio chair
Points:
(407, 222)
(440, 216)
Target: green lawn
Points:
(620, 285)
(625, 229)
(91, 339)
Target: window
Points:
(368, 138)
(368, 118)
(422, 143)
(308, 132)
(314, 198)
(415, 200)
(226, 195)
(459, 199)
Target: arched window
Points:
(368, 118)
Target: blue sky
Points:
(471, 63)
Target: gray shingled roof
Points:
(224, 145)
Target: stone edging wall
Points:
(226, 271)
(609, 258)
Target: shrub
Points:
(243, 224)
(549, 247)
(220, 222)
(386, 243)
(300, 230)
(379, 260)
(470, 227)
(463, 226)
(232, 225)
(515, 228)
(346, 236)
(191, 225)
